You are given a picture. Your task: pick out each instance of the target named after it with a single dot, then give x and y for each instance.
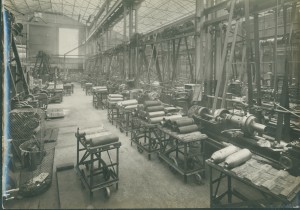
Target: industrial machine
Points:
(245, 132)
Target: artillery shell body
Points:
(238, 158)
(220, 155)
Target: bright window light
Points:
(68, 40)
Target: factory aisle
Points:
(143, 183)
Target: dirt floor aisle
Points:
(143, 183)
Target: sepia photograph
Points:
(150, 104)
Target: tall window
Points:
(68, 40)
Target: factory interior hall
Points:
(110, 104)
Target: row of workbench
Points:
(188, 158)
(176, 152)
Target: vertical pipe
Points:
(257, 57)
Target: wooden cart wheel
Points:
(106, 173)
(107, 192)
(87, 166)
(159, 158)
(140, 149)
(191, 163)
(155, 146)
(175, 163)
(199, 179)
(82, 185)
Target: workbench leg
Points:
(185, 178)
(203, 157)
(117, 169)
(229, 189)
(185, 162)
(211, 187)
(176, 141)
(150, 142)
(77, 151)
(91, 176)
(145, 135)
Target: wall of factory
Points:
(43, 35)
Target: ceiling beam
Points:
(86, 9)
(40, 5)
(15, 6)
(51, 5)
(27, 5)
(73, 8)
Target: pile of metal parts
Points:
(233, 162)
(244, 131)
(30, 155)
(28, 101)
(24, 123)
(55, 92)
(95, 142)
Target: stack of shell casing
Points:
(128, 104)
(153, 112)
(181, 125)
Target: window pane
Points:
(68, 40)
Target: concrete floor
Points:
(143, 183)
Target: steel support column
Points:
(248, 52)
(125, 40)
(130, 50)
(257, 58)
(198, 49)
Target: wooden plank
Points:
(68, 182)
(54, 134)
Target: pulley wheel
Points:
(199, 179)
(107, 192)
(174, 163)
(286, 162)
(106, 173)
(140, 149)
(191, 163)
